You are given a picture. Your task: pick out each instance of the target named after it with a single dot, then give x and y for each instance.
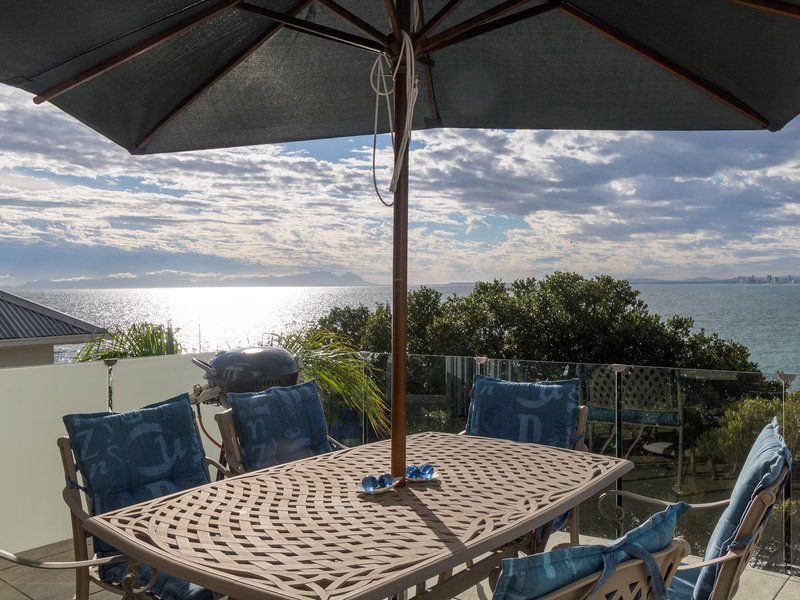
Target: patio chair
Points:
(544, 412)
(278, 425)
(741, 525)
(639, 565)
(113, 460)
(652, 401)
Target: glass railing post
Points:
(786, 421)
(619, 370)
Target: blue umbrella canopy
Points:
(176, 75)
(173, 75)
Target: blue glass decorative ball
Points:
(413, 472)
(369, 483)
(427, 471)
(385, 480)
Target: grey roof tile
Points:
(22, 319)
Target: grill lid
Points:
(245, 364)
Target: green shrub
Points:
(743, 421)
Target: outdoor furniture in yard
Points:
(543, 412)
(741, 525)
(638, 565)
(301, 530)
(122, 459)
(631, 581)
(278, 425)
(651, 400)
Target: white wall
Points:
(141, 381)
(32, 402)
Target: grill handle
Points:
(205, 366)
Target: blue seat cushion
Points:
(683, 584)
(135, 456)
(544, 412)
(666, 418)
(165, 587)
(279, 425)
(534, 576)
(761, 469)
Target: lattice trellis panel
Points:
(644, 388)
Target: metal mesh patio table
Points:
(301, 530)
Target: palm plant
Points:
(339, 370)
(139, 339)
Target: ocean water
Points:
(765, 318)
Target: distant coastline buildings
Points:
(769, 279)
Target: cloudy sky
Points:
(484, 204)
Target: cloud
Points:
(483, 204)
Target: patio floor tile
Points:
(790, 591)
(9, 593)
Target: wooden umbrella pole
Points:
(400, 266)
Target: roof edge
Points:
(50, 312)
(46, 341)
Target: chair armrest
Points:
(210, 462)
(731, 555)
(75, 564)
(619, 512)
(336, 444)
(73, 502)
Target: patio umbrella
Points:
(175, 75)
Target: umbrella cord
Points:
(378, 80)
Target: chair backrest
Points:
(125, 458)
(278, 425)
(230, 442)
(746, 539)
(630, 581)
(741, 525)
(544, 412)
(643, 388)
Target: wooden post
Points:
(400, 267)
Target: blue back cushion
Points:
(545, 412)
(768, 456)
(540, 574)
(279, 425)
(139, 455)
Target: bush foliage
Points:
(564, 317)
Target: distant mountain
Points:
(169, 278)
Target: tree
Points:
(377, 334)
(347, 321)
(564, 317)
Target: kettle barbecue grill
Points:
(245, 370)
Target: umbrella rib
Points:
(436, 20)
(477, 30)
(356, 21)
(437, 40)
(428, 64)
(393, 19)
(264, 37)
(686, 75)
(133, 51)
(315, 29)
(773, 6)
